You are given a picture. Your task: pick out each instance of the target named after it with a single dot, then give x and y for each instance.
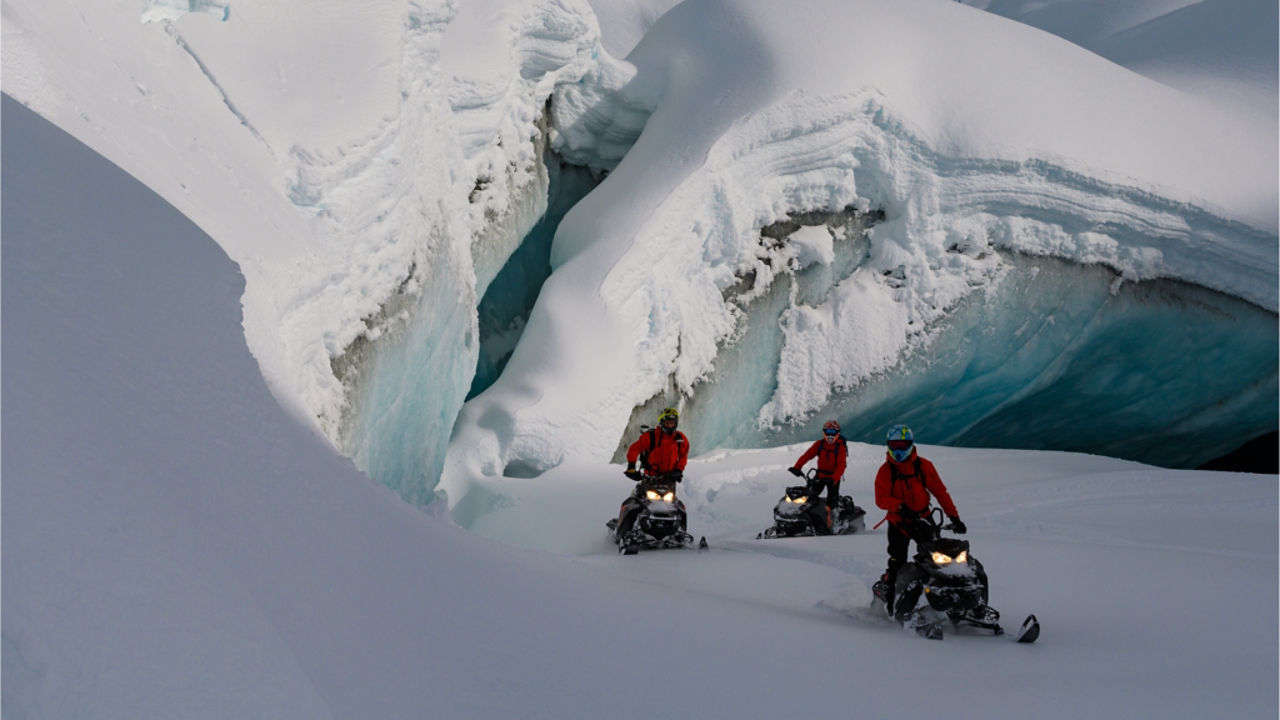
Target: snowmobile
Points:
(661, 522)
(943, 582)
(800, 509)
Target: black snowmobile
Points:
(943, 582)
(801, 512)
(661, 522)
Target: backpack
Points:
(896, 475)
(653, 442)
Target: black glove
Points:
(676, 475)
(795, 471)
(632, 473)
(958, 525)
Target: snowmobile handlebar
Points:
(935, 517)
(929, 518)
(667, 478)
(930, 522)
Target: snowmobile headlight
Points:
(941, 559)
(800, 500)
(652, 495)
(671, 495)
(962, 557)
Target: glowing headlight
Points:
(962, 557)
(652, 495)
(669, 496)
(941, 559)
(800, 500)
(655, 495)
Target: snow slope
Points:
(177, 545)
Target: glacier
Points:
(484, 239)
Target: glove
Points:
(632, 473)
(675, 475)
(795, 471)
(958, 525)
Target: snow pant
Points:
(833, 490)
(899, 549)
(899, 546)
(822, 514)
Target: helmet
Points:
(830, 430)
(668, 414)
(901, 442)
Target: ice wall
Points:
(479, 89)
(1054, 355)
(504, 309)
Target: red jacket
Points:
(831, 459)
(910, 487)
(667, 453)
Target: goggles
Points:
(899, 445)
(830, 431)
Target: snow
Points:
(182, 539)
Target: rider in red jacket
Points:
(832, 453)
(904, 485)
(662, 452)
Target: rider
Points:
(663, 452)
(903, 487)
(832, 453)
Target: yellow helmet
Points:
(669, 414)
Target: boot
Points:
(883, 589)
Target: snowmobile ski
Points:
(1029, 631)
